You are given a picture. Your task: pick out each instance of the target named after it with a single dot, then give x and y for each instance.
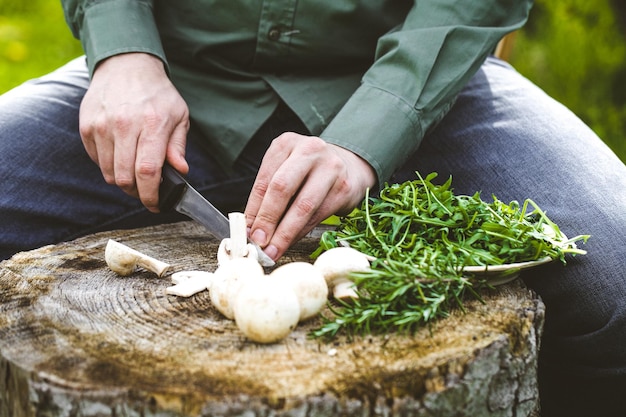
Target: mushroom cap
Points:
(120, 258)
(224, 255)
(228, 279)
(338, 263)
(266, 311)
(307, 282)
(124, 260)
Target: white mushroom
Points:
(124, 260)
(182, 276)
(188, 283)
(229, 278)
(225, 252)
(307, 282)
(337, 264)
(266, 311)
(237, 245)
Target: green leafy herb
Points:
(422, 236)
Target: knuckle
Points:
(147, 169)
(124, 182)
(185, 123)
(280, 186)
(281, 239)
(266, 220)
(344, 186)
(260, 187)
(121, 123)
(151, 119)
(109, 179)
(304, 207)
(284, 138)
(313, 145)
(98, 128)
(250, 219)
(336, 164)
(85, 130)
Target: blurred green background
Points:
(574, 49)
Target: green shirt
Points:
(371, 76)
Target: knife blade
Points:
(175, 193)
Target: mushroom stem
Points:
(124, 260)
(238, 246)
(344, 290)
(337, 264)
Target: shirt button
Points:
(273, 34)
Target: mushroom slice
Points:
(124, 260)
(189, 283)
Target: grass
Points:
(574, 49)
(34, 40)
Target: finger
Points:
(106, 157)
(175, 153)
(86, 129)
(96, 140)
(282, 187)
(316, 200)
(89, 143)
(274, 157)
(312, 174)
(151, 151)
(338, 183)
(125, 133)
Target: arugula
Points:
(422, 235)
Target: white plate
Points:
(497, 274)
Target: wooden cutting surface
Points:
(81, 340)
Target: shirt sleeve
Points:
(419, 69)
(111, 27)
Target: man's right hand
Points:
(132, 119)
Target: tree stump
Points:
(78, 340)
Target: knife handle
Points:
(171, 189)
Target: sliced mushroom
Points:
(124, 260)
(188, 283)
(182, 276)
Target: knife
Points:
(175, 193)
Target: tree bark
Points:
(78, 340)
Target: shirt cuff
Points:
(117, 27)
(379, 127)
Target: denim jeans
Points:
(503, 136)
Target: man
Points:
(293, 109)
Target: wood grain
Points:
(78, 340)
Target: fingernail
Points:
(271, 251)
(259, 237)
